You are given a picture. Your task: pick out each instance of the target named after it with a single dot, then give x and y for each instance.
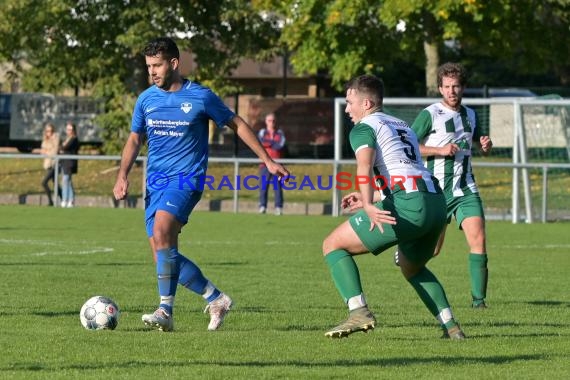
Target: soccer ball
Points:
(99, 313)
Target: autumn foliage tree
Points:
(94, 46)
(347, 37)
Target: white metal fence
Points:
(528, 216)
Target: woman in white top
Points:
(50, 146)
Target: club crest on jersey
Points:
(186, 107)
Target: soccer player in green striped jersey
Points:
(447, 131)
(411, 215)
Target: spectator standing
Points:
(69, 146)
(50, 146)
(273, 140)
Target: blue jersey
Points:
(176, 126)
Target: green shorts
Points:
(464, 207)
(420, 218)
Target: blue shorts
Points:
(179, 203)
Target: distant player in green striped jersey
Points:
(412, 214)
(447, 131)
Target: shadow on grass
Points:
(549, 303)
(446, 361)
(537, 303)
(516, 324)
(54, 314)
(533, 335)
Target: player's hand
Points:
(352, 201)
(449, 149)
(378, 216)
(121, 189)
(279, 170)
(486, 143)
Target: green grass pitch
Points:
(52, 260)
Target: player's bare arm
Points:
(130, 153)
(446, 150)
(245, 133)
(364, 159)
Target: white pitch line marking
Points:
(85, 252)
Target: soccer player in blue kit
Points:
(174, 115)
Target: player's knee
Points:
(409, 268)
(160, 237)
(477, 242)
(328, 245)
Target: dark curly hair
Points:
(162, 45)
(453, 70)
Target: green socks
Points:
(433, 296)
(479, 277)
(344, 273)
(347, 281)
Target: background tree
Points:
(529, 37)
(95, 46)
(342, 37)
(520, 40)
(395, 38)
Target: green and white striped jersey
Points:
(398, 158)
(437, 126)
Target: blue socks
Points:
(167, 271)
(172, 269)
(191, 276)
